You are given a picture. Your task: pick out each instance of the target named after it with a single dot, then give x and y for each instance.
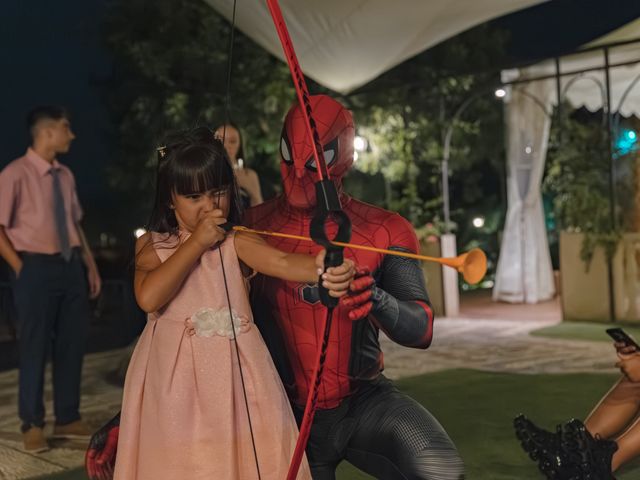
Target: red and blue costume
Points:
(354, 353)
(361, 416)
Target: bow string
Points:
(227, 110)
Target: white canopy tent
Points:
(345, 44)
(524, 271)
(586, 88)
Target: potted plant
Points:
(589, 216)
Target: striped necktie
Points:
(60, 216)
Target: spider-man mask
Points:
(298, 167)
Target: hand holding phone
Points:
(620, 336)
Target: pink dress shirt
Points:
(26, 204)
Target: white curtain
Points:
(524, 272)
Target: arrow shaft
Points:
(339, 244)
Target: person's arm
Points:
(401, 305)
(9, 195)
(155, 282)
(293, 267)
(93, 275)
(255, 191)
(396, 301)
(9, 253)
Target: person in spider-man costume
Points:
(361, 416)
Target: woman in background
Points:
(248, 183)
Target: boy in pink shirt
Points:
(54, 274)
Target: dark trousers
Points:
(51, 300)
(384, 433)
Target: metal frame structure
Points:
(610, 122)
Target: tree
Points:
(577, 177)
(170, 61)
(170, 72)
(405, 114)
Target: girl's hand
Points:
(630, 366)
(336, 279)
(208, 232)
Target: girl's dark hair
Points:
(240, 153)
(191, 161)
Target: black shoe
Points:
(591, 455)
(544, 448)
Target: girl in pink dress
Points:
(202, 399)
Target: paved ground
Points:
(495, 337)
(487, 336)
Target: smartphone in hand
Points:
(619, 335)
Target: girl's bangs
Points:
(199, 172)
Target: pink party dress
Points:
(183, 412)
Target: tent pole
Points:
(559, 97)
(612, 192)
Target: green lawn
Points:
(586, 331)
(477, 408)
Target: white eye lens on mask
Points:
(284, 151)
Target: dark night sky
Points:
(561, 26)
(51, 52)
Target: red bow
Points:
(327, 206)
